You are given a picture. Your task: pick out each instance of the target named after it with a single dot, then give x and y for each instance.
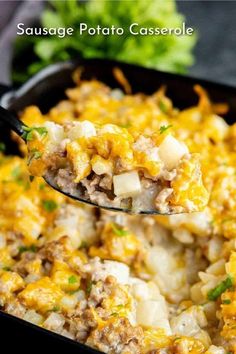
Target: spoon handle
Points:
(11, 121)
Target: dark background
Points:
(215, 22)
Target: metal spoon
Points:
(12, 121)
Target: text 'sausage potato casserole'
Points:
(123, 283)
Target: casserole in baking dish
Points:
(118, 283)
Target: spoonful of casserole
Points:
(109, 167)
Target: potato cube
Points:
(171, 151)
(127, 184)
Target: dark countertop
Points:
(216, 48)
(214, 20)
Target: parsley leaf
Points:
(2, 147)
(118, 230)
(49, 205)
(83, 244)
(226, 302)
(31, 248)
(35, 155)
(7, 269)
(28, 134)
(163, 106)
(16, 172)
(89, 287)
(213, 294)
(72, 279)
(55, 308)
(126, 126)
(164, 128)
(42, 186)
(114, 314)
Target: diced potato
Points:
(82, 129)
(215, 350)
(117, 269)
(183, 235)
(152, 313)
(216, 128)
(33, 317)
(139, 289)
(101, 166)
(171, 151)
(68, 302)
(54, 322)
(127, 184)
(158, 260)
(55, 134)
(110, 128)
(186, 324)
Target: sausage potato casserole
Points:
(123, 283)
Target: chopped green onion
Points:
(163, 107)
(49, 205)
(213, 294)
(119, 231)
(7, 269)
(28, 134)
(31, 248)
(226, 302)
(83, 244)
(2, 147)
(164, 128)
(16, 172)
(55, 308)
(89, 287)
(42, 186)
(72, 279)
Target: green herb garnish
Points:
(72, 279)
(7, 269)
(89, 287)
(164, 128)
(83, 244)
(42, 186)
(118, 230)
(28, 134)
(2, 147)
(126, 126)
(16, 172)
(55, 308)
(120, 306)
(72, 292)
(226, 302)
(31, 248)
(36, 154)
(31, 178)
(114, 314)
(49, 205)
(163, 106)
(213, 294)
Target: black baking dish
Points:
(45, 89)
